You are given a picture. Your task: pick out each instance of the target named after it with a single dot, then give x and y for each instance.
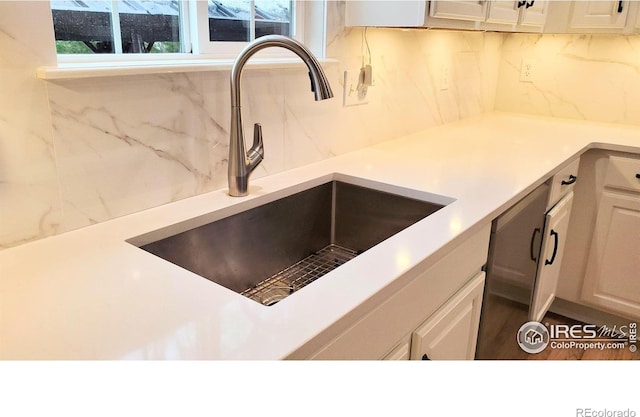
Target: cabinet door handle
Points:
(620, 6)
(530, 4)
(425, 357)
(531, 245)
(521, 3)
(555, 248)
(638, 175)
(572, 179)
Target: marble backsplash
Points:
(30, 205)
(78, 152)
(589, 77)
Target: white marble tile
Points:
(406, 96)
(590, 77)
(127, 144)
(29, 196)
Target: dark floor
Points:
(504, 346)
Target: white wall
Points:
(77, 152)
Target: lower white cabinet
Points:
(452, 332)
(612, 279)
(400, 352)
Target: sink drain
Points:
(272, 295)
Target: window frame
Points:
(194, 30)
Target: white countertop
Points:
(88, 294)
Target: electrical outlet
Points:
(527, 71)
(354, 91)
(444, 77)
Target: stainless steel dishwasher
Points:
(514, 250)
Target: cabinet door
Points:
(399, 353)
(599, 14)
(392, 13)
(534, 13)
(612, 280)
(452, 332)
(504, 12)
(553, 243)
(460, 10)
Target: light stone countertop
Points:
(88, 294)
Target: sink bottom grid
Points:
(299, 275)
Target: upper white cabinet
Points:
(459, 10)
(519, 15)
(609, 14)
(388, 13)
(590, 16)
(454, 14)
(557, 16)
(515, 15)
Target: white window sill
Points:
(114, 69)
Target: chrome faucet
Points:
(242, 163)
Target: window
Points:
(213, 27)
(245, 20)
(116, 27)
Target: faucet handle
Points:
(256, 153)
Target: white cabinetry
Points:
(520, 15)
(612, 280)
(452, 332)
(553, 245)
(400, 352)
(599, 14)
(388, 13)
(449, 290)
(459, 10)
(554, 239)
(453, 14)
(592, 16)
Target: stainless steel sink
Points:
(268, 252)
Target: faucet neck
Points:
(242, 163)
(319, 82)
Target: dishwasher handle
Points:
(555, 248)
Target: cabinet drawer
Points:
(623, 173)
(563, 182)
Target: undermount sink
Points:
(270, 251)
